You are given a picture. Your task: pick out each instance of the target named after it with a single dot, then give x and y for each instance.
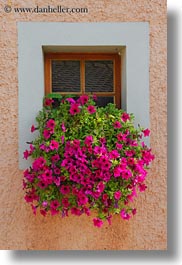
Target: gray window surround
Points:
(131, 39)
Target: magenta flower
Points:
(65, 189)
(70, 100)
(74, 109)
(54, 145)
(26, 154)
(46, 134)
(33, 128)
(88, 140)
(124, 215)
(130, 153)
(55, 158)
(44, 203)
(91, 109)
(54, 204)
(50, 124)
(117, 125)
(83, 99)
(75, 211)
(65, 202)
(97, 222)
(43, 212)
(119, 146)
(63, 127)
(82, 199)
(34, 209)
(117, 195)
(125, 117)
(126, 174)
(146, 132)
(100, 187)
(48, 102)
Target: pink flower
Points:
(75, 211)
(102, 140)
(134, 211)
(29, 198)
(43, 212)
(50, 124)
(125, 116)
(126, 174)
(146, 132)
(48, 102)
(94, 97)
(82, 199)
(62, 139)
(100, 187)
(70, 100)
(54, 204)
(54, 145)
(33, 128)
(55, 158)
(74, 109)
(83, 99)
(88, 140)
(44, 203)
(46, 134)
(57, 181)
(117, 195)
(130, 153)
(91, 109)
(97, 222)
(117, 125)
(63, 127)
(65, 189)
(26, 154)
(65, 202)
(34, 209)
(119, 146)
(124, 214)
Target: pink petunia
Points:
(26, 154)
(34, 209)
(55, 158)
(54, 145)
(91, 109)
(44, 203)
(43, 212)
(83, 99)
(63, 127)
(46, 134)
(70, 100)
(54, 204)
(33, 128)
(117, 125)
(65, 202)
(48, 102)
(88, 140)
(117, 195)
(75, 211)
(119, 146)
(65, 189)
(74, 109)
(146, 132)
(50, 124)
(97, 222)
(124, 215)
(125, 116)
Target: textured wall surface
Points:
(19, 228)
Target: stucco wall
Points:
(19, 229)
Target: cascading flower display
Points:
(86, 158)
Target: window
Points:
(84, 73)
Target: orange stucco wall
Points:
(19, 228)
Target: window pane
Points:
(103, 101)
(65, 76)
(99, 76)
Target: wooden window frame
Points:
(82, 57)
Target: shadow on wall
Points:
(173, 249)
